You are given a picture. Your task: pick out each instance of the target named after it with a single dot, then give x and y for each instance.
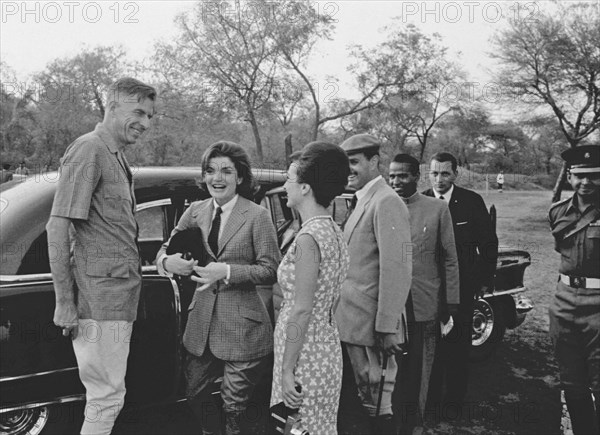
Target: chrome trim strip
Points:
(26, 278)
(179, 326)
(150, 204)
(506, 292)
(40, 278)
(33, 375)
(66, 399)
(149, 268)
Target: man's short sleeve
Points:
(80, 172)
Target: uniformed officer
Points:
(575, 308)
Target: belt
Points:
(580, 281)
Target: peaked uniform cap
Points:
(359, 143)
(584, 159)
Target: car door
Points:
(37, 364)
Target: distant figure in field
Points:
(500, 181)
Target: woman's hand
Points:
(177, 265)
(210, 274)
(291, 397)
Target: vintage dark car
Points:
(38, 375)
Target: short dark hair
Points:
(446, 157)
(129, 86)
(295, 156)
(240, 160)
(325, 168)
(410, 160)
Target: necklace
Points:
(315, 218)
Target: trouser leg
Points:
(576, 341)
(581, 411)
(239, 382)
(367, 363)
(455, 348)
(200, 373)
(352, 416)
(101, 349)
(412, 385)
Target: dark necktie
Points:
(442, 197)
(350, 210)
(213, 236)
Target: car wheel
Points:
(44, 420)
(487, 330)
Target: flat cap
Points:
(583, 159)
(359, 143)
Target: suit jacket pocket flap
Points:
(107, 270)
(247, 313)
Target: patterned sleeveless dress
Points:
(319, 366)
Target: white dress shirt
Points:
(446, 195)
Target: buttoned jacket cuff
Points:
(160, 266)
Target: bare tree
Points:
(411, 78)
(224, 50)
(554, 60)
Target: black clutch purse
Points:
(189, 244)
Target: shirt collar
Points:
(363, 191)
(106, 137)
(446, 195)
(574, 205)
(228, 206)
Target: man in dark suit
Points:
(477, 249)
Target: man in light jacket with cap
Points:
(575, 309)
(370, 311)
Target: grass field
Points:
(516, 391)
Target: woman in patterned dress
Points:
(307, 345)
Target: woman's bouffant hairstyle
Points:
(325, 168)
(240, 160)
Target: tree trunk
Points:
(423, 144)
(560, 180)
(315, 132)
(257, 140)
(288, 149)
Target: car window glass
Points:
(151, 223)
(278, 211)
(36, 259)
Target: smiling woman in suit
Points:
(229, 331)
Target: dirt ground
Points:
(514, 392)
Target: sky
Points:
(32, 34)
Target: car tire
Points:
(63, 419)
(487, 330)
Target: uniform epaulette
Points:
(561, 202)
